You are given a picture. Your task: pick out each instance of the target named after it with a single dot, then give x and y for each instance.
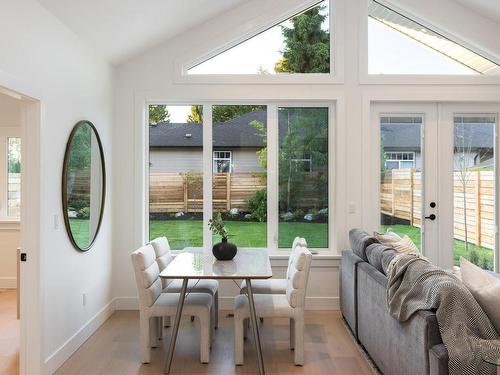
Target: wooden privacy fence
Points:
(175, 192)
(401, 197)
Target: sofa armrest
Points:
(438, 360)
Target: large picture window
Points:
(13, 177)
(249, 175)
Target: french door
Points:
(436, 178)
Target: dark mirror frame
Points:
(64, 184)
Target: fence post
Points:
(185, 187)
(478, 207)
(392, 194)
(411, 197)
(228, 191)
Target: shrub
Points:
(474, 258)
(258, 205)
(84, 213)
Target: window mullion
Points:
(207, 175)
(272, 177)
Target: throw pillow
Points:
(485, 288)
(387, 238)
(406, 246)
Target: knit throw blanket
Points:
(468, 335)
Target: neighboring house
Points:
(177, 147)
(401, 142)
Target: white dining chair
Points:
(289, 305)
(164, 257)
(153, 304)
(274, 286)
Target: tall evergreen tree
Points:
(307, 44)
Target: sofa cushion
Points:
(387, 238)
(359, 241)
(374, 254)
(484, 287)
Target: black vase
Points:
(224, 250)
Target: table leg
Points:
(175, 329)
(255, 327)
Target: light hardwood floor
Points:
(114, 349)
(9, 332)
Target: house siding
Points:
(245, 160)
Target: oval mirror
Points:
(83, 185)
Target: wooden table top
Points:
(193, 263)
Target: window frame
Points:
(230, 159)
(248, 30)
(412, 153)
(272, 179)
(414, 79)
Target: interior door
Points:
(469, 189)
(405, 156)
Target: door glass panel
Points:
(401, 176)
(474, 189)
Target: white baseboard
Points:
(226, 303)
(56, 359)
(8, 283)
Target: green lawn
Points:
(80, 231)
(182, 233)
(484, 255)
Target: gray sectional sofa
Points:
(411, 348)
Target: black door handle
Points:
(431, 217)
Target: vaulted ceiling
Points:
(120, 29)
(487, 8)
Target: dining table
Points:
(195, 263)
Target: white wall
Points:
(74, 84)
(154, 76)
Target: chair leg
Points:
(145, 338)
(153, 329)
(246, 326)
(167, 322)
(292, 334)
(299, 340)
(205, 328)
(216, 305)
(239, 334)
(160, 327)
(261, 320)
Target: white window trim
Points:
(9, 217)
(413, 79)
(247, 30)
(6, 132)
(230, 159)
(142, 184)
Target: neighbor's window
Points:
(240, 191)
(222, 161)
(14, 177)
(300, 44)
(399, 160)
(176, 174)
(303, 192)
(399, 45)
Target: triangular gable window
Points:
(399, 45)
(300, 44)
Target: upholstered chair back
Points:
(298, 277)
(298, 243)
(147, 274)
(163, 255)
